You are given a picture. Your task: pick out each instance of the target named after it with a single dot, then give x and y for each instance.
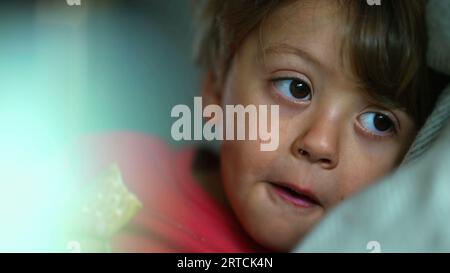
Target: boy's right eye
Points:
(293, 88)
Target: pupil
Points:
(382, 122)
(299, 89)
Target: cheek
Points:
(243, 163)
(366, 166)
(243, 168)
(243, 160)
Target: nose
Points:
(319, 143)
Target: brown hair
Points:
(385, 45)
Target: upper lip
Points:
(299, 190)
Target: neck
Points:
(206, 170)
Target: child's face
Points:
(334, 139)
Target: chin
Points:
(273, 234)
(276, 240)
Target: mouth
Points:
(295, 196)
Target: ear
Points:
(211, 90)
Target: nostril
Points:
(325, 161)
(303, 152)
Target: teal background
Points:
(106, 65)
(67, 72)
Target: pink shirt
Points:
(178, 215)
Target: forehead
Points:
(312, 28)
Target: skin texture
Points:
(324, 147)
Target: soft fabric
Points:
(409, 211)
(438, 57)
(431, 129)
(438, 21)
(177, 215)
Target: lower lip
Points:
(296, 201)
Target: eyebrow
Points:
(283, 48)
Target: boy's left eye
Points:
(377, 123)
(293, 88)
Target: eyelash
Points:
(361, 127)
(279, 94)
(395, 126)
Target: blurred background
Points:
(69, 70)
